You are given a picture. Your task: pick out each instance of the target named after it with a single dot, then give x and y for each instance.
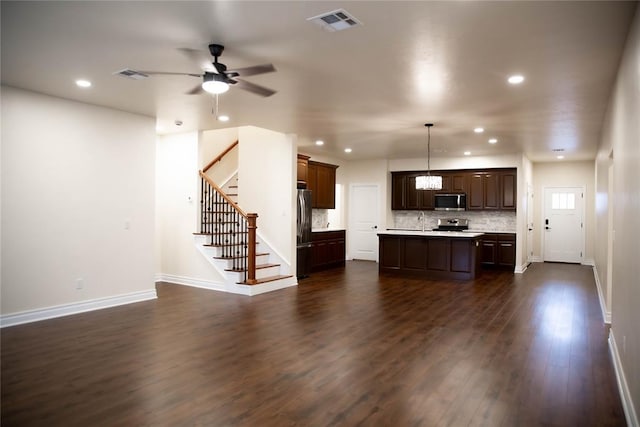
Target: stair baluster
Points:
(233, 230)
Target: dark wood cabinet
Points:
(321, 180)
(429, 256)
(488, 254)
(303, 172)
(506, 250)
(453, 182)
(328, 249)
(416, 199)
(508, 190)
(498, 250)
(398, 194)
(475, 198)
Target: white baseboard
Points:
(75, 308)
(606, 315)
(232, 288)
(521, 268)
(623, 387)
(535, 259)
(589, 261)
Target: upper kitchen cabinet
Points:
(508, 190)
(416, 199)
(398, 194)
(303, 170)
(492, 190)
(321, 180)
(453, 182)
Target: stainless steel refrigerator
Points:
(303, 238)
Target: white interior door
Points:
(563, 224)
(364, 208)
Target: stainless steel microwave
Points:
(450, 202)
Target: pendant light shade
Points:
(428, 181)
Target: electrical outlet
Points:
(79, 283)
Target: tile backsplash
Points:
(319, 218)
(498, 221)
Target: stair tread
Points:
(258, 267)
(267, 279)
(224, 245)
(239, 256)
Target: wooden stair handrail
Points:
(219, 156)
(223, 194)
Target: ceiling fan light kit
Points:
(214, 83)
(428, 181)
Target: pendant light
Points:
(428, 181)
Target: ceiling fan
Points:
(216, 78)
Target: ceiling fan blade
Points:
(252, 71)
(199, 57)
(168, 73)
(196, 90)
(253, 88)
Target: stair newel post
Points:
(251, 268)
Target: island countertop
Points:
(420, 233)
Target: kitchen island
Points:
(430, 254)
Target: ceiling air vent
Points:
(336, 20)
(131, 74)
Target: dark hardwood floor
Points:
(345, 348)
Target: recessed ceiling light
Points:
(559, 157)
(493, 141)
(478, 130)
(467, 153)
(83, 83)
(223, 118)
(347, 150)
(516, 79)
(319, 142)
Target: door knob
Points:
(547, 228)
(375, 227)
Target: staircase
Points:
(229, 240)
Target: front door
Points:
(563, 224)
(364, 208)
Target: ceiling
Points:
(370, 87)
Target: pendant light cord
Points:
(428, 125)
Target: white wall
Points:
(464, 162)
(564, 174)
(213, 143)
(267, 178)
(178, 207)
(621, 136)
(73, 176)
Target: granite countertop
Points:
(401, 232)
(322, 230)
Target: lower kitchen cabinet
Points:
(498, 250)
(328, 249)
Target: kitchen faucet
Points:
(421, 218)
